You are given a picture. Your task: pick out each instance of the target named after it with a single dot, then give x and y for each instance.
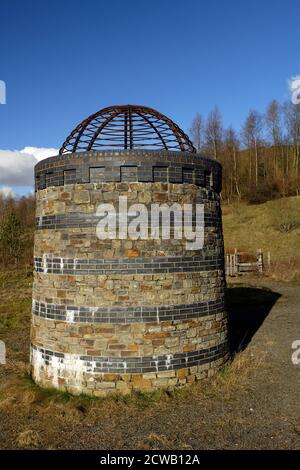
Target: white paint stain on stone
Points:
(70, 314)
(44, 260)
(54, 368)
(168, 361)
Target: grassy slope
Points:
(15, 306)
(249, 227)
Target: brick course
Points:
(118, 314)
(146, 166)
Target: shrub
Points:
(285, 218)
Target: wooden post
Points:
(227, 264)
(269, 260)
(260, 261)
(236, 261)
(231, 265)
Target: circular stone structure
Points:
(112, 315)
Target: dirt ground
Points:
(252, 404)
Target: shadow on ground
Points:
(247, 309)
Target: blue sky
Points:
(63, 60)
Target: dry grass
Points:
(20, 393)
(285, 270)
(15, 300)
(237, 373)
(28, 438)
(234, 376)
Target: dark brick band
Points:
(138, 166)
(102, 266)
(125, 155)
(145, 314)
(120, 365)
(83, 219)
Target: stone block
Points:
(105, 385)
(166, 374)
(141, 384)
(81, 197)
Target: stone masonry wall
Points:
(109, 316)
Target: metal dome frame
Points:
(127, 127)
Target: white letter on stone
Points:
(123, 218)
(197, 237)
(138, 227)
(106, 227)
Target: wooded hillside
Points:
(261, 161)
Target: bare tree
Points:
(231, 148)
(251, 134)
(214, 132)
(273, 119)
(197, 131)
(292, 121)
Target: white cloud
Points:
(16, 166)
(6, 192)
(40, 153)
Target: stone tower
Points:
(116, 314)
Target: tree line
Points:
(17, 216)
(261, 161)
